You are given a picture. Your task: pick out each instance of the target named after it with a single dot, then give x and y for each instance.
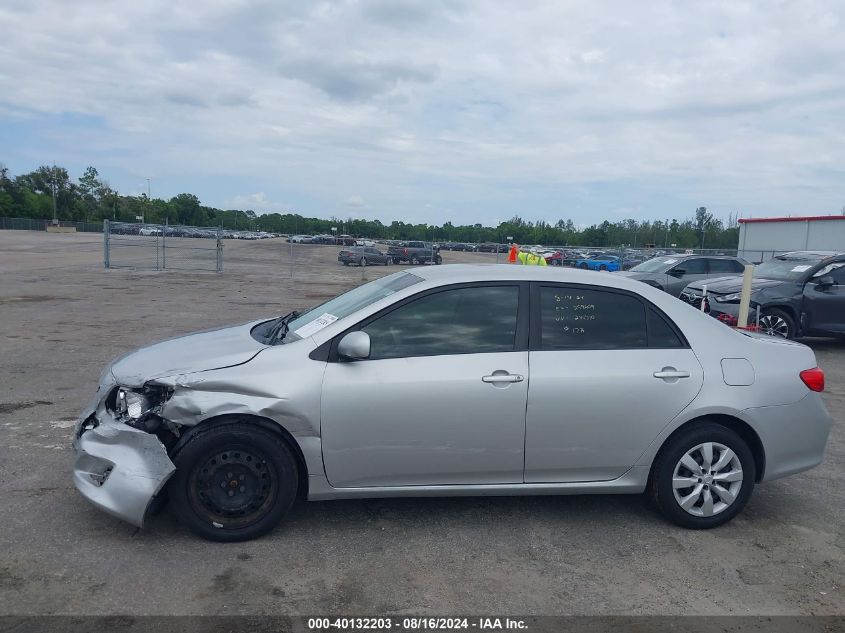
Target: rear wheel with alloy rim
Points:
(233, 482)
(703, 477)
(777, 323)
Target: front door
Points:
(442, 398)
(684, 273)
(608, 372)
(824, 306)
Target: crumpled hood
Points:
(729, 285)
(186, 354)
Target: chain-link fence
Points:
(33, 224)
(162, 247)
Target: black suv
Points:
(795, 294)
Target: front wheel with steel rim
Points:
(233, 481)
(776, 322)
(703, 476)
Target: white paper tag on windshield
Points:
(670, 261)
(310, 329)
(801, 269)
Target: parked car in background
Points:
(300, 239)
(414, 253)
(345, 240)
(234, 425)
(600, 261)
(673, 273)
(362, 256)
(798, 294)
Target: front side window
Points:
(692, 266)
(470, 320)
(584, 318)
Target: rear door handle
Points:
(502, 378)
(671, 372)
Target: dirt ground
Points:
(63, 317)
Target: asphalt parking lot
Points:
(63, 317)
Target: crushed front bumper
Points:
(118, 468)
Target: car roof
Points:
(465, 273)
(808, 255)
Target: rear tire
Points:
(776, 322)
(719, 468)
(602, 267)
(438, 260)
(583, 266)
(414, 261)
(233, 482)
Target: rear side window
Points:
(725, 266)
(582, 318)
(660, 333)
(589, 318)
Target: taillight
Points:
(813, 378)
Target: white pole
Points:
(745, 296)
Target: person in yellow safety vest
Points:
(531, 259)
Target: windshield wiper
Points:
(280, 328)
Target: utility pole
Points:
(148, 201)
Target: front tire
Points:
(776, 322)
(233, 482)
(703, 477)
(415, 261)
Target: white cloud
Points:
(356, 202)
(475, 107)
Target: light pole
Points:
(55, 214)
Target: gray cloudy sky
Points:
(432, 110)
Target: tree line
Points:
(50, 189)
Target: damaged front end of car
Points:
(122, 444)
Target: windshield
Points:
(785, 269)
(341, 306)
(656, 265)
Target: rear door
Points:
(608, 372)
(824, 306)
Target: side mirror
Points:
(677, 272)
(354, 346)
(824, 282)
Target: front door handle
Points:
(494, 378)
(670, 373)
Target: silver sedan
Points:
(453, 380)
